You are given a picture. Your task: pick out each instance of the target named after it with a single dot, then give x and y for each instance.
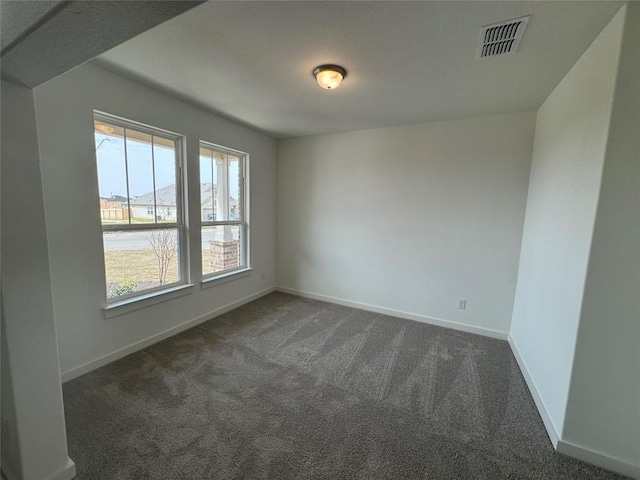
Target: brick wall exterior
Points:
(224, 255)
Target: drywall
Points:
(408, 219)
(603, 413)
(65, 121)
(34, 444)
(9, 454)
(568, 154)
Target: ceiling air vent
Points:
(501, 38)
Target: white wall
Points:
(64, 109)
(409, 218)
(571, 135)
(34, 445)
(603, 413)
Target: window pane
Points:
(140, 172)
(223, 246)
(235, 188)
(221, 249)
(219, 166)
(164, 156)
(140, 260)
(221, 185)
(112, 177)
(208, 180)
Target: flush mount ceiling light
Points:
(329, 76)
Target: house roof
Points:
(114, 198)
(166, 196)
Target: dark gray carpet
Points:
(290, 388)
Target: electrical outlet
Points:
(462, 303)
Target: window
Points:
(223, 206)
(139, 179)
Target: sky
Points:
(112, 172)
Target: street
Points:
(118, 241)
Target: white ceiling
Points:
(41, 39)
(16, 18)
(407, 62)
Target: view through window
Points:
(139, 179)
(223, 207)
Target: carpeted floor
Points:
(291, 388)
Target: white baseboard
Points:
(564, 446)
(552, 431)
(487, 332)
(134, 347)
(599, 459)
(68, 472)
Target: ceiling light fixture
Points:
(329, 76)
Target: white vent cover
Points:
(501, 38)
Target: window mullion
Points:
(227, 184)
(181, 200)
(242, 186)
(153, 173)
(126, 174)
(213, 190)
(222, 223)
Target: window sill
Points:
(146, 300)
(225, 277)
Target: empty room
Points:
(320, 240)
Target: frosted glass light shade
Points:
(329, 76)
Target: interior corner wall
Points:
(603, 413)
(572, 128)
(406, 220)
(65, 121)
(9, 454)
(34, 444)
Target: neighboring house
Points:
(159, 205)
(207, 201)
(162, 205)
(114, 208)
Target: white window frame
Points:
(181, 219)
(242, 222)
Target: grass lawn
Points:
(141, 267)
